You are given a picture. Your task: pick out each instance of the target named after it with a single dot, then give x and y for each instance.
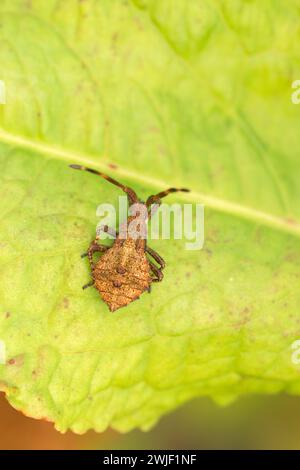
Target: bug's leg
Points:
(157, 272)
(94, 245)
(89, 284)
(130, 192)
(156, 257)
(93, 248)
(106, 229)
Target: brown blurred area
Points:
(19, 432)
(249, 423)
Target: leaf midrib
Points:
(221, 205)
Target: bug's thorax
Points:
(133, 232)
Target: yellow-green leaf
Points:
(157, 93)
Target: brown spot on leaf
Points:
(208, 251)
(291, 221)
(291, 257)
(16, 361)
(113, 166)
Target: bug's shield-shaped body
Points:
(122, 274)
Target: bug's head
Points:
(138, 202)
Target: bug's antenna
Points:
(131, 194)
(155, 199)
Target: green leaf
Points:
(156, 93)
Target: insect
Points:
(124, 272)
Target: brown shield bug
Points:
(124, 272)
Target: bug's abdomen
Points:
(120, 283)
